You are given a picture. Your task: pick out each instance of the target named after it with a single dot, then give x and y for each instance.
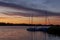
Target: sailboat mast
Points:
(46, 18)
(32, 18)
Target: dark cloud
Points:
(39, 14)
(48, 5)
(38, 7)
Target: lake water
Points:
(20, 33)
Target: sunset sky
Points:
(26, 11)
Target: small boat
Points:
(37, 29)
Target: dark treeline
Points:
(55, 30)
(11, 24)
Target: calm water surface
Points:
(20, 33)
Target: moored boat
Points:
(37, 29)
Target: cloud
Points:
(25, 12)
(49, 5)
(31, 14)
(38, 7)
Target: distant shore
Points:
(11, 24)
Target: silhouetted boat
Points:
(37, 29)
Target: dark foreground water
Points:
(20, 33)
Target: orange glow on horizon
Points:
(27, 20)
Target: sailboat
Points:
(44, 29)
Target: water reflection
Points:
(22, 34)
